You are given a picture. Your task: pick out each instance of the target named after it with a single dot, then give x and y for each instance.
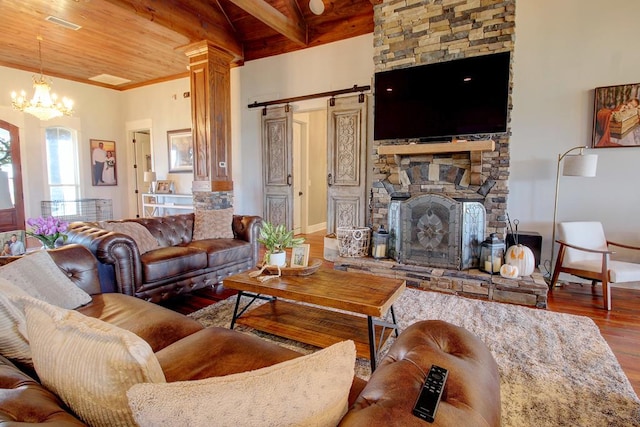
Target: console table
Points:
(161, 204)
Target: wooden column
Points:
(211, 116)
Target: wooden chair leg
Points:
(557, 268)
(606, 293)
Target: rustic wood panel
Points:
(141, 40)
(311, 325)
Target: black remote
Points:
(427, 403)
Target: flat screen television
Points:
(444, 100)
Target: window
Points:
(62, 166)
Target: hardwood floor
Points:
(620, 327)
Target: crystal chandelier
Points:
(44, 104)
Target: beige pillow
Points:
(14, 344)
(88, 363)
(138, 232)
(311, 390)
(39, 276)
(213, 224)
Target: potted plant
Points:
(276, 238)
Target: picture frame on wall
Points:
(103, 163)
(616, 116)
(164, 186)
(180, 150)
(300, 255)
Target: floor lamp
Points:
(574, 165)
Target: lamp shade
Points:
(149, 176)
(580, 165)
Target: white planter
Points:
(279, 258)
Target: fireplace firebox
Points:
(436, 231)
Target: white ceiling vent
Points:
(63, 23)
(109, 79)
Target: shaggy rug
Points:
(555, 369)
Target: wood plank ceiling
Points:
(141, 40)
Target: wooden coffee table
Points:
(369, 296)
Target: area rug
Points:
(555, 369)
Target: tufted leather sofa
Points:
(180, 265)
(471, 397)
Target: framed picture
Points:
(180, 148)
(616, 116)
(13, 242)
(103, 162)
(164, 186)
(300, 255)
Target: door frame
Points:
(134, 188)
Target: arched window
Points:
(62, 163)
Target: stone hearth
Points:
(529, 291)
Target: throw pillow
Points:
(88, 363)
(14, 343)
(309, 390)
(138, 232)
(213, 224)
(39, 276)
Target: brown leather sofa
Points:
(179, 266)
(471, 398)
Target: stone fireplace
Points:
(409, 34)
(437, 231)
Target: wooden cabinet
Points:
(154, 204)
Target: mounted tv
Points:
(444, 100)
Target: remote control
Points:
(427, 403)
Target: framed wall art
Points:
(103, 162)
(616, 116)
(180, 146)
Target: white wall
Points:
(96, 116)
(334, 66)
(563, 51)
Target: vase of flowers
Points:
(48, 230)
(276, 239)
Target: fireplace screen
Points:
(436, 231)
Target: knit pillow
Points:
(14, 344)
(39, 276)
(88, 363)
(213, 224)
(307, 391)
(138, 232)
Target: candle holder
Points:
(380, 243)
(492, 254)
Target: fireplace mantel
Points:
(437, 148)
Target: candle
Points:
(487, 266)
(497, 263)
(380, 251)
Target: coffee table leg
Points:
(235, 311)
(254, 297)
(373, 345)
(373, 350)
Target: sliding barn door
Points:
(346, 162)
(277, 165)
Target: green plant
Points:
(276, 238)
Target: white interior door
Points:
(299, 192)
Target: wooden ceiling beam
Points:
(193, 19)
(295, 28)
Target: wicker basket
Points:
(353, 241)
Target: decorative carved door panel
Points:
(11, 197)
(346, 162)
(277, 166)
